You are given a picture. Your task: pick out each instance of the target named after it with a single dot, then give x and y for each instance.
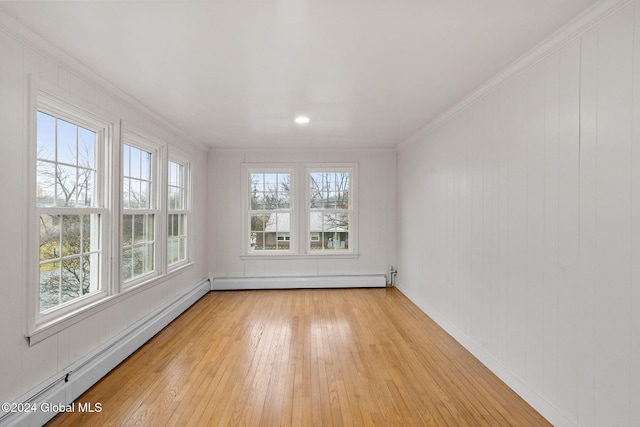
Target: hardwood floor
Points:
(302, 357)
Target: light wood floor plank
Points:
(339, 357)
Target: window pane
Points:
(67, 138)
(172, 225)
(283, 242)
(257, 201)
(343, 181)
(49, 285)
(341, 221)
(149, 227)
(86, 148)
(65, 186)
(127, 263)
(179, 199)
(134, 194)
(179, 175)
(126, 193)
(86, 187)
(66, 177)
(283, 222)
(137, 245)
(71, 279)
(284, 187)
(71, 241)
(127, 229)
(148, 262)
(145, 195)
(183, 248)
(88, 265)
(46, 137)
(90, 233)
(329, 201)
(138, 228)
(257, 182)
(182, 219)
(138, 260)
(315, 190)
(171, 197)
(257, 241)
(270, 182)
(335, 222)
(145, 165)
(258, 222)
(134, 163)
(45, 184)
(315, 222)
(49, 237)
(329, 230)
(172, 250)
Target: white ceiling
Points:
(369, 73)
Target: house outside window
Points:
(269, 207)
(323, 225)
(329, 201)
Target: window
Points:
(139, 206)
(324, 224)
(269, 210)
(70, 208)
(100, 201)
(329, 209)
(177, 213)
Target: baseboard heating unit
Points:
(66, 386)
(299, 282)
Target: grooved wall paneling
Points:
(518, 226)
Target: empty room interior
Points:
(303, 212)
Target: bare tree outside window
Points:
(329, 206)
(138, 219)
(69, 241)
(270, 211)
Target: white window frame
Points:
(141, 140)
(52, 101)
(247, 170)
(299, 233)
(186, 211)
(352, 211)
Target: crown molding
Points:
(563, 36)
(75, 67)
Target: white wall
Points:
(519, 226)
(376, 208)
(23, 367)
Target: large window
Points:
(70, 210)
(139, 207)
(270, 210)
(102, 200)
(329, 207)
(323, 224)
(177, 225)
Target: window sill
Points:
(301, 256)
(50, 328)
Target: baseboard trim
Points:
(533, 398)
(69, 384)
(298, 282)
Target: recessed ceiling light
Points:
(302, 120)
